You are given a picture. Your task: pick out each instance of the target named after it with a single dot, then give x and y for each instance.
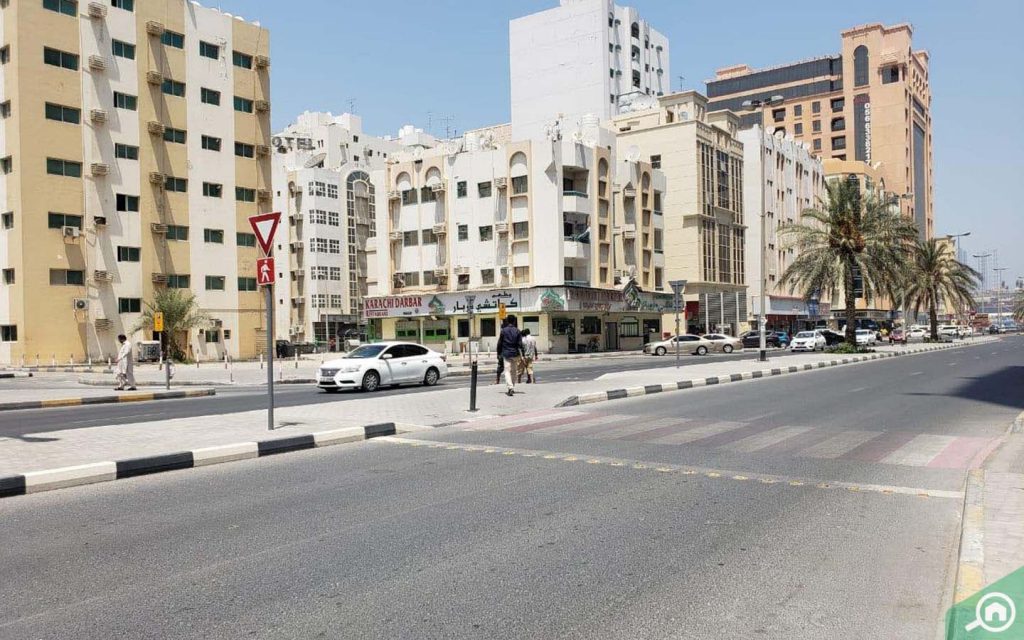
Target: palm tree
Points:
(847, 238)
(1018, 309)
(936, 277)
(181, 315)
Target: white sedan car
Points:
(917, 333)
(808, 341)
(382, 363)
(866, 337)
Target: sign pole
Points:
(264, 225)
(270, 357)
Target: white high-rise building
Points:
(583, 57)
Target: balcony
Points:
(576, 202)
(575, 251)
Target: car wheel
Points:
(371, 381)
(727, 348)
(660, 351)
(431, 378)
(702, 350)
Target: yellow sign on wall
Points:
(502, 312)
(158, 321)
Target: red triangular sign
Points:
(264, 225)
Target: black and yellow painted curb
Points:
(131, 396)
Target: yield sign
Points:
(265, 225)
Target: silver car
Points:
(688, 343)
(724, 343)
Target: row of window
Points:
(520, 185)
(325, 273)
(325, 301)
(324, 245)
(323, 190)
(412, 278)
(76, 278)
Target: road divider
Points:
(143, 396)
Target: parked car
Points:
(383, 363)
(724, 343)
(783, 338)
(832, 337)
(897, 336)
(808, 341)
(917, 333)
(866, 337)
(752, 340)
(688, 343)
(949, 331)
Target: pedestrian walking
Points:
(501, 361)
(125, 365)
(510, 348)
(529, 356)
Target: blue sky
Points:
(446, 62)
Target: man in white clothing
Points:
(125, 365)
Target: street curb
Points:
(15, 374)
(632, 392)
(970, 576)
(128, 397)
(50, 479)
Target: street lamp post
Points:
(470, 299)
(678, 287)
(999, 296)
(754, 105)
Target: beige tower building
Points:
(135, 144)
(870, 103)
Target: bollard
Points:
(71, 360)
(22, 361)
(261, 361)
(472, 385)
(225, 361)
(108, 362)
(296, 358)
(53, 359)
(231, 372)
(37, 361)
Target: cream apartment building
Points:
(135, 145)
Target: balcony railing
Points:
(570, 192)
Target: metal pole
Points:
(270, 357)
(677, 333)
(762, 355)
(472, 384)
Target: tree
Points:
(936, 277)
(850, 239)
(1018, 309)
(181, 315)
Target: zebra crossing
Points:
(882, 447)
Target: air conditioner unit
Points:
(216, 323)
(503, 269)
(294, 330)
(395, 236)
(157, 178)
(71, 232)
(461, 271)
(262, 150)
(441, 272)
(294, 188)
(297, 300)
(100, 275)
(394, 194)
(97, 62)
(97, 10)
(100, 221)
(99, 168)
(501, 183)
(159, 278)
(154, 77)
(299, 273)
(158, 227)
(296, 217)
(297, 244)
(263, 194)
(629, 233)
(398, 281)
(437, 188)
(440, 229)
(155, 28)
(102, 324)
(98, 116)
(262, 62)
(79, 304)
(629, 192)
(262, 105)
(501, 227)
(156, 128)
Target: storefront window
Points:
(590, 325)
(488, 327)
(629, 328)
(563, 326)
(532, 323)
(435, 330)
(407, 329)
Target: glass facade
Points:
(783, 75)
(920, 186)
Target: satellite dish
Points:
(452, 147)
(315, 161)
(417, 153)
(633, 153)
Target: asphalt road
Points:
(234, 400)
(542, 529)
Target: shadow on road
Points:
(1003, 387)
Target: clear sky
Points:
(445, 62)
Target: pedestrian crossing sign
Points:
(158, 321)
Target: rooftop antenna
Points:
(681, 80)
(351, 105)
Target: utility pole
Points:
(999, 296)
(678, 287)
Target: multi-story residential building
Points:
(793, 180)
(704, 216)
(583, 57)
(871, 102)
(134, 147)
(329, 177)
(556, 231)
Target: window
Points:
(58, 58)
(838, 142)
(243, 104)
(215, 236)
(62, 277)
(126, 151)
(7, 220)
(177, 233)
(5, 54)
(173, 88)
(890, 75)
(8, 276)
(60, 220)
(838, 104)
(179, 185)
(128, 254)
(123, 49)
(210, 143)
(6, 165)
(129, 305)
(9, 333)
(815, 107)
(245, 239)
(209, 96)
(816, 126)
(408, 196)
(125, 101)
(247, 284)
(656, 162)
(839, 124)
(243, 150)
(463, 280)
(487, 276)
(860, 66)
(5, 109)
(483, 189)
(520, 230)
(208, 50)
(817, 144)
(521, 275)
(460, 189)
(242, 60)
(211, 335)
(486, 233)
(245, 194)
(410, 238)
(214, 283)
(174, 135)
(778, 115)
(427, 195)
(798, 129)
(67, 168)
(127, 5)
(67, 7)
(520, 184)
(179, 281)
(463, 230)
(126, 202)
(429, 278)
(213, 190)
(429, 237)
(798, 110)
(173, 39)
(60, 113)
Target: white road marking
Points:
(919, 451)
(839, 444)
(758, 441)
(917, 373)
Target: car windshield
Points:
(805, 334)
(367, 351)
(864, 332)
